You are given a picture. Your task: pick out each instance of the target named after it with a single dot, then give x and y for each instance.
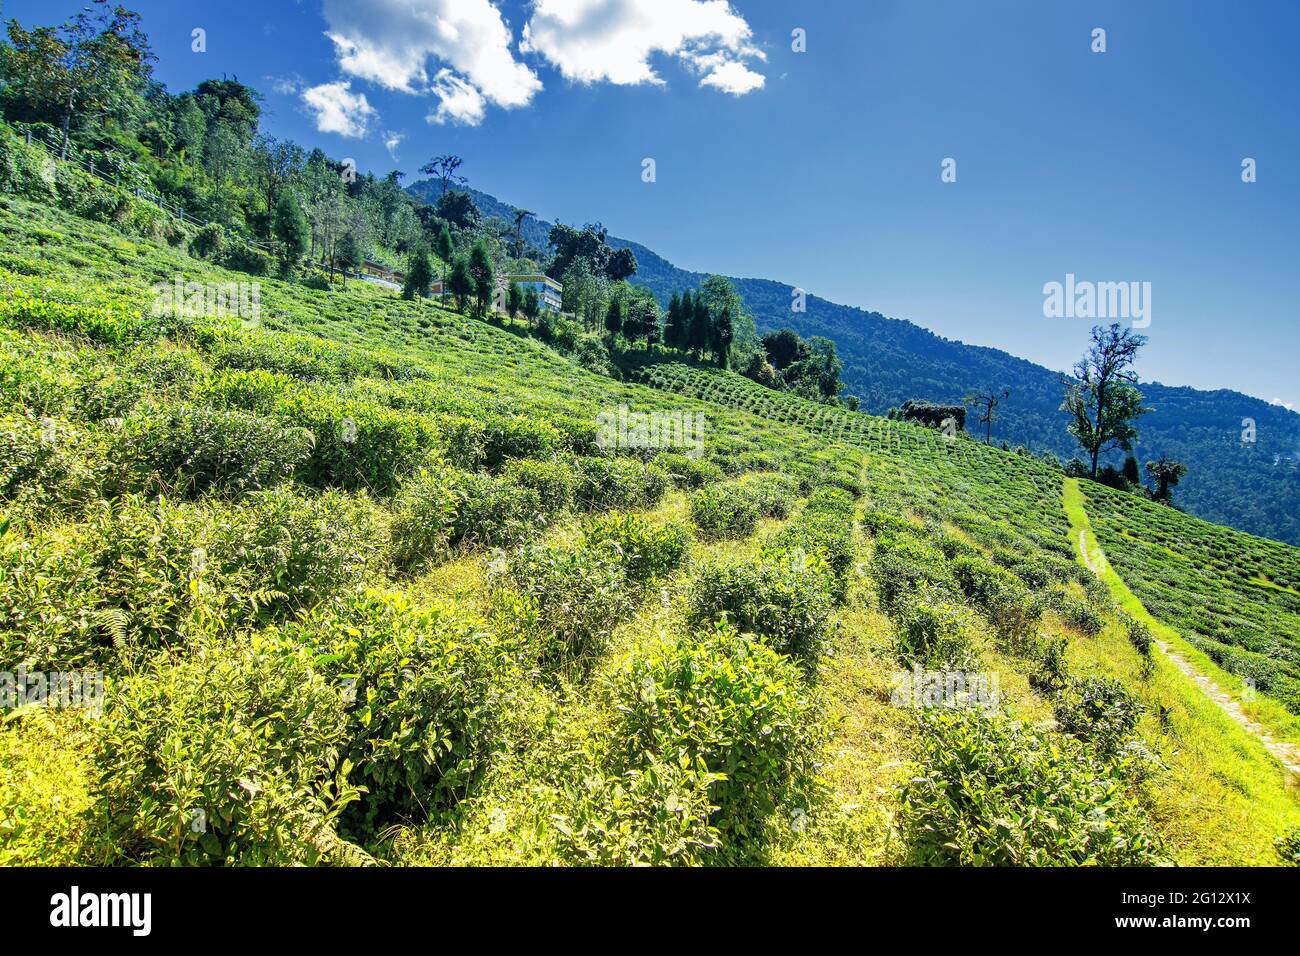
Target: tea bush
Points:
(552, 480)
(1100, 712)
(736, 708)
(197, 450)
(1005, 601)
(645, 551)
(687, 472)
(724, 511)
(934, 634)
(227, 756)
(607, 483)
(783, 598)
(995, 792)
(563, 602)
(427, 690)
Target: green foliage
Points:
(426, 691)
(647, 552)
(935, 635)
(1100, 712)
(995, 792)
(605, 483)
(229, 755)
(1009, 605)
(688, 472)
(553, 481)
(783, 598)
(724, 511)
(563, 602)
(729, 706)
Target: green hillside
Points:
(1254, 485)
(368, 584)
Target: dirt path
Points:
(1287, 754)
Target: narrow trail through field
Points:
(1093, 556)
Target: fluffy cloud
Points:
(613, 40)
(338, 110)
(391, 43)
(393, 140)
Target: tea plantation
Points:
(367, 588)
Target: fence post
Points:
(29, 136)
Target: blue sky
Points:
(822, 168)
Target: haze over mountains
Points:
(1251, 485)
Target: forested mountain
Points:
(1254, 486)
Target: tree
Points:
(514, 298)
(460, 283)
(444, 247)
(532, 306)
(784, 348)
(614, 316)
(458, 208)
(620, 265)
(1166, 473)
(818, 376)
(290, 228)
(675, 330)
(92, 66)
(987, 402)
(445, 168)
(1102, 399)
(1130, 472)
(350, 253)
(521, 216)
(483, 276)
(419, 274)
(701, 326)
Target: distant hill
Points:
(1254, 487)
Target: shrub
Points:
(904, 565)
(199, 450)
(48, 786)
(426, 690)
(784, 599)
(1288, 846)
(723, 511)
(1100, 712)
(517, 437)
(1079, 615)
(995, 792)
(773, 495)
(48, 465)
(1139, 635)
(605, 483)
(552, 480)
(688, 472)
(933, 634)
(824, 535)
(652, 815)
(564, 602)
(731, 706)
(645, 551)
(1005, 601)
(441, 508)
(228, 756)
(1053, 674)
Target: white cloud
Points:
(613, 40)
(393, 140)
(338, 109)
(391, 42)
(1287, 405)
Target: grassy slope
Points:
(1221, 802)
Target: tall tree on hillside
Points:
(460, 282)
(521, 216)
(290, 228)
(1102, 399)
(674, 330)
(92, 66)
(1166, 473)
(484, 276)
(614, 316)
(444, 247)
(532, 306)
(784, 348)
(987, 402)
(350, 253)
(514, 299)
(419, 274)
(446, 169)
(701, 326)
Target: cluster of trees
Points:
(810, 368)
